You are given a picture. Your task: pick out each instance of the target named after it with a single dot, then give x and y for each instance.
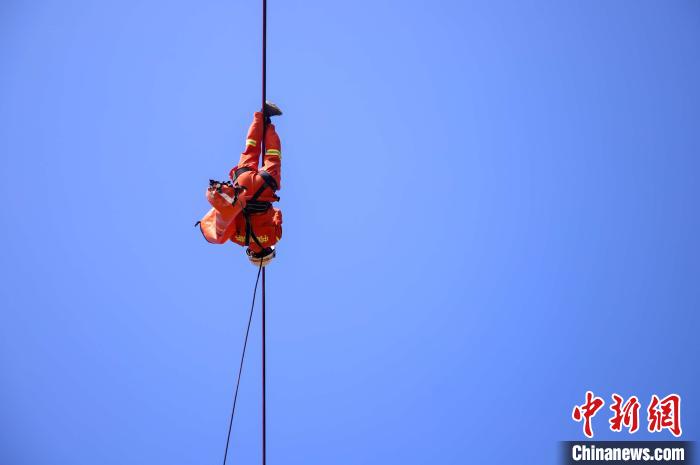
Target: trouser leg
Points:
(250, 157)
(273, 154)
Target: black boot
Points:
(271, 110)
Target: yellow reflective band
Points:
(263, 239)
(272, 152)
(239, 238)
(251, 142)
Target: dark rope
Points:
(264, 416)
(264, 76)
(240, 367)
(262, 150)
(261, 269)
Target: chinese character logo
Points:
(587, 411)
(665, 414)
(626, 414)
(662, 414)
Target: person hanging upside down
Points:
(242, 210)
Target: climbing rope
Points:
(264, 416)
(261, 270)
(262, 151)
(240, 367)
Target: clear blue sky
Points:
(490, 207)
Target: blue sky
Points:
(490, 207)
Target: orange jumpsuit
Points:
(228, 220)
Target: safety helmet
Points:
(265, 256)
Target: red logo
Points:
(665, 414)
(662, 414)
(626, 414)
(587, 411)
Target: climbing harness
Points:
(253, 205)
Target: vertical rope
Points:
(240, 366)
(262, 148)
(260, 270)
(264, 73)
(264, 436)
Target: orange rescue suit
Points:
(241, 209)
